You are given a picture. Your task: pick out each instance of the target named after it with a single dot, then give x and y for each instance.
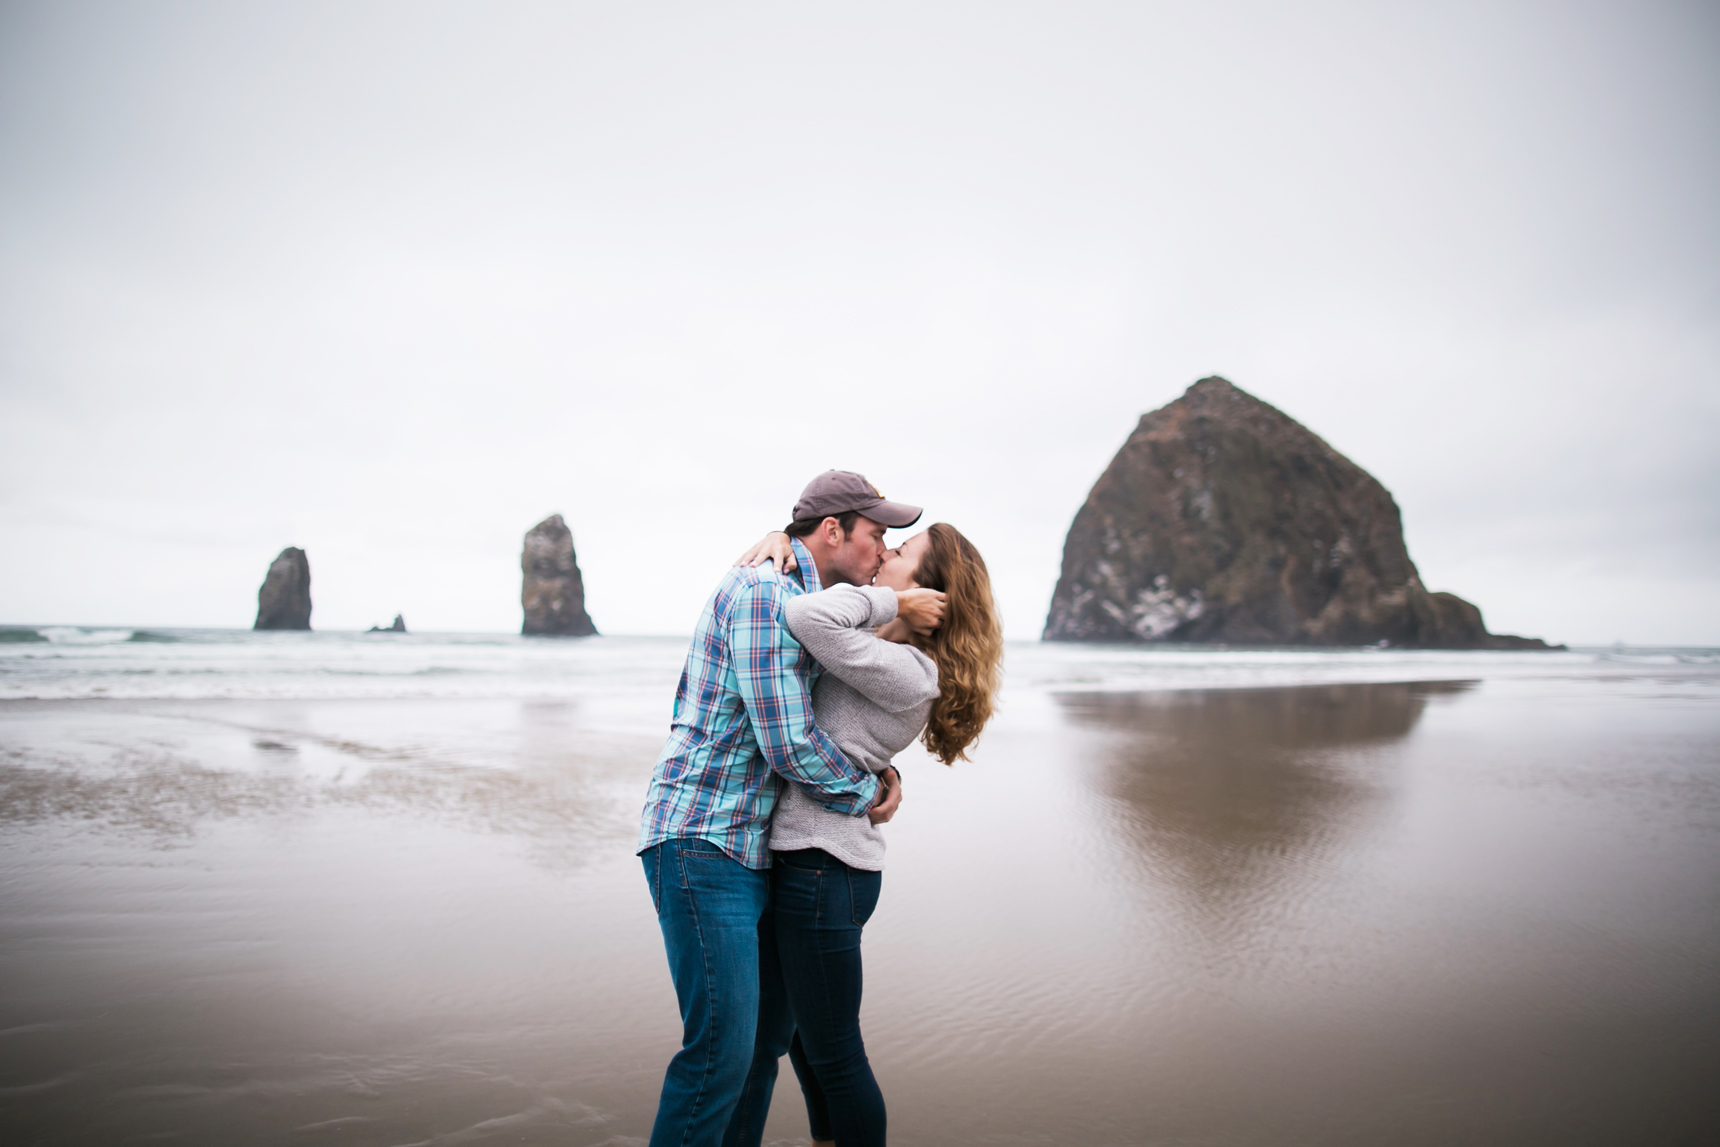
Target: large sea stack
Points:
(284, 601)
(553, 593)
(1223, 520)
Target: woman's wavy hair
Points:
(967, 647)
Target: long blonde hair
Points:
(967, 647)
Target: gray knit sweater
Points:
(872, 700)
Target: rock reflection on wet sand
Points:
(1238, 798)
(1479, 912)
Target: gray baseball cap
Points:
(838, 491)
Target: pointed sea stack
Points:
(1223, 520)
(553, 593)
(284, 601)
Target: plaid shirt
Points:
(743, 720)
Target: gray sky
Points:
(392, 282)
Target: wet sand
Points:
(1479, 912)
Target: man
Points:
(742, 728)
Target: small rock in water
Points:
(284, 601)
(552, 593)
(399, 626)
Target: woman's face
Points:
(900, 564)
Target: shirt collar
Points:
(808, 567)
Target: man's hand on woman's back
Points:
(889, 798)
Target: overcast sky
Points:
(392, 282)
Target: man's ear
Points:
(832, 530)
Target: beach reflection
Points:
(1231, 802)
(163, 774)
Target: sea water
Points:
(72, 662)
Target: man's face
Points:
(856, 558)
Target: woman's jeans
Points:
(809, 1001)
(709, 908)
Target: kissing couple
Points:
(820, 656)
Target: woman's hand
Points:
(921, 610)
(773, 547)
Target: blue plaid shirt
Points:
(743, 721)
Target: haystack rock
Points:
(284, 601)
(1223, 520)
(553, 593)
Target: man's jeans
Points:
(810, 1001)
(708, 907)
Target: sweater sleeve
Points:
(834, 626)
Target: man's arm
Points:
(765, 654)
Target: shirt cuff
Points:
(866, 802)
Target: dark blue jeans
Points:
(708, 907)
(809, 1001)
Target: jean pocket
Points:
(798, 860)
(863, 889)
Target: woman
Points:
(879, 691)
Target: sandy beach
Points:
(322, 894)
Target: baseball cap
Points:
(838, 491)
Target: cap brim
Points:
(893, 514)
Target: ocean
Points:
(380, 889)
